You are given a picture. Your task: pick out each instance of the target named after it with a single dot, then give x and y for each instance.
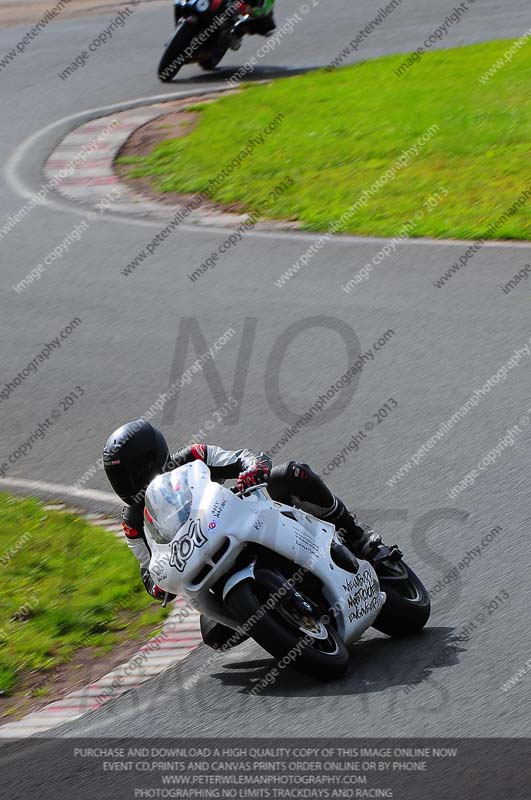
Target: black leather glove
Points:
(151, 587)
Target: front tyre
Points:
(304, 641)
(407, 607)
(173, 57)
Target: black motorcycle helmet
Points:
(132, 456)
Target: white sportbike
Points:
(273, 572)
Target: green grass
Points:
(343, 129)
(70, 585)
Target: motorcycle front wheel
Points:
(289, 629)
(173, 57)
(407, 607)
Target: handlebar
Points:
(248, 490)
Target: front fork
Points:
(181, 10)
(178, 12)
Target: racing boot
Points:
(362, 540)
(218, 636)
(262, 26)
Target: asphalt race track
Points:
(290, 345)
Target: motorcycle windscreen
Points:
(167, 506)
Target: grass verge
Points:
(342, 130)
(66, 586)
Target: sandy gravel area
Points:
(26, 12)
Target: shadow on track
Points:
(377, 665)
(225, 73)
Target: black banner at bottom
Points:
(272, 769)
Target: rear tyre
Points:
(173, 57)
(407, 607)
(310, 644)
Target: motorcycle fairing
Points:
(218, 528)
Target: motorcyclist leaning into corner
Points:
(258, 20)
(136, 452)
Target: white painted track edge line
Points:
(24, 191)
(58, 488)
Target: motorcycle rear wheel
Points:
(210, 63)
(310, 645)
(407, 607)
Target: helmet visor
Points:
(130, 478)
(122, 482)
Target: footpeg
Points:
(395, 553)
(387, 553)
